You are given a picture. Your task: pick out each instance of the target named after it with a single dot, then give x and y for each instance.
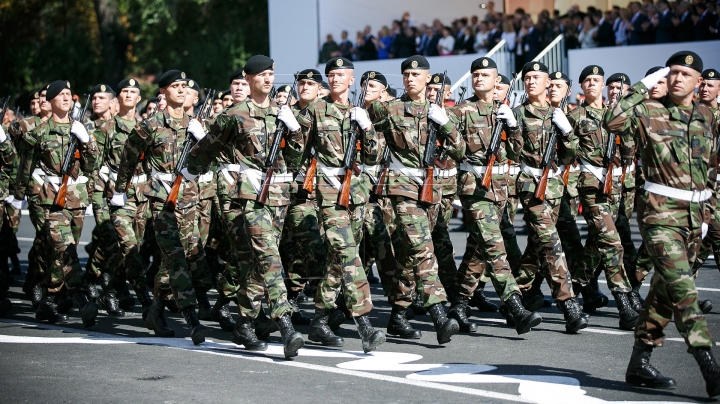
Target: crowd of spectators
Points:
(646, 22)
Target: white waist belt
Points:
(415, 174)
(106, 174)
(331, 173)
(670, 192)
(514, 170)
(717, 178)
(537, 172)
(207, 177)
(253, 175)
(446, 173)
(41, 177)
(479, 171)
(599, 172)
(575, 168)
(164, 179)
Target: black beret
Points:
(437, 77)
(309, 74)
(226, 93)
(238, 74)
(561, 76)
(592, 70)
(258, 63)
(152, 100)
(101, 88)
(54, 88)
(170, 77)
(416, 62)
(284, 89)
(325, 85)
(392, 92)
(618, 77)
(338, 63)
(504, 80)
(686, 58)
(483, 63)
(373, 75)
(711, 74)
(194, 85)
(36, 94)
(534, 67)
(127, 83)
(219, 95)
(653, 70)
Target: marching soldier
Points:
(676, 138)
(7, 158)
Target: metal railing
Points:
(503, 57)
(553, 56)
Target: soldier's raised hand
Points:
(559, 119)
(196, 129)
(653, 78)
(360, 116)
(438, 115)
(118, 199)
(78, 129)
(505, 112)
(286, 115)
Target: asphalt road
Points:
(118, 360)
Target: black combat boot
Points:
(634, 296)
(628, 316)
(505, 312)
(292, 340)
(93, 294)
(335, 319)
(155, 319)
(204, 308)
(574, 320)
(480, 302)
(417, 306)
(63, 302)
(445, 327)
(641, 373)
(710, 370)
(524, 319)
(109, 300)
(532, 301)
(321, 332)
(221, 313)
(264, 326)
(244, 334)
(37, 295)
(399, 326)
(371, 338)
(143, 296)
(46, 311)
(198, 330)
(88, 310)
(123, 293)
(5, 307)
(706, 306)
(458, 312)
(297, 317)
(593, 298)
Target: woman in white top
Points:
(588, 34)
(481, 37)
(508, 34)
(621, 36)
(446, 43)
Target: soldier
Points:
(478, 120)
(602, 248)
(160, 138)
(326, 124)
(7, 157)
(405, 123)
(44, 149)
(239, 88)
(676, 138)
(217, 103)
(283, 93)
(247, 131)
(324, 90)
(537, 119)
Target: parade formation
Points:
(275, 195)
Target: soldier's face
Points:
(592, 86)
(484, 80)
(261, 83)
(150, 109)
(682, 81)
(162, 103)
(35, 106)
(44, 103)
(280, 98)
(323, 92)
(613, 89)
(709, 91)
(374, 91)
(191, 98)
(415, 81)
(217, 106)
(660, 90)
(501, 91)
(101, 103)
(340, 80)
(228, 100)
(175, 94)
(308, 90)
(239, 90)
(557, 91)
(62, 102)
(536, 83)
(129, 97)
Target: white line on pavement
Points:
(32, 239)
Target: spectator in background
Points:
(430, 44)
(481, 37)
(705, 22)
(605, 34)
(327, 50)
(369, 48)
(621, 32)
(466, 42)
(491, 13)
(508, 34)
(345, 49)
(665, 23)
(636, 31)
(494, 35)
(384, 42)
(588, 34)
(686, 27)
(447, 42)
(404, 45)
(531, 41)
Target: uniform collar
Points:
(175, 124)
(677, 115)
(123, 125)
(533, 110)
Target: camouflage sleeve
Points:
(138, 140)
(454, 143)
(378, 113)
(565, 155)
(26, 150)
(206, 151)
(89, 155)
(297, 141)
(7, 152)
(513, 142)
(101, 138)
(623, 117)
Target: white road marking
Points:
(30, 239)
(648, 285)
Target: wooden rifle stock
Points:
(622, 176)
(59, 200)
(171, 201)
(379, 188)
(608, 186)
(542, 184)
(310, 175)
(566, 173)
(487, 177)
(426, 191)
(265, 190)
(344, 196)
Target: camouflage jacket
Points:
(536, 126)
(111, 139)
(676, 151)
(16, 132)
(7, 159)
(592, 139)
(405, 126)
(300, 165)
(161, 139)
(475, 121)
(44, 149)
(326, 127)
(245, 134)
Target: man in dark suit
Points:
(605, 34)
(368, 51)
(686, 27)
(532, 43)
(346, 47)
(707, 20)
(637, 33)
(665, 23)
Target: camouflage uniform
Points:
(161, 138)
(675, 144)
(376, 246)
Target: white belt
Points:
(718, 177)
(670, 192)
(41, 177)
(599, 172)
(331, 173)
(538, 172)
(446, 173)
(106, 173)
(630, 168)
(639, 163)
(575, 168)
(479, 171)
(207, 177)
(514, 170)
(253, 175)
(164, 179)
(416, 174)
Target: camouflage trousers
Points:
(62, 229)
(544, 251)
(603, 247)
(643, 264)
(444, 251)
(9, 224)
(416, 261)
(37, 256)
(304, 251)
(174, 233)
(241, 259)
(672, 289)
(507, 229)
(376, 246)
(710, 244)
(106, 255)
(568, 230)
(485, 250)
(130, 222)
(198, 263)
(625, 211)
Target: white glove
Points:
(504, 112)
(360, 116)
(185, 173)
(438, 115)
(653, 78)
(704, 228)
(286, 115)
(78, 129)
(561, 121)
(118, 199)
(3, 136)
(196, 129)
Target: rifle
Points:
(462, 95)
(379, 186)
(494, 148)
(201, 113)
(430, 159)
(548, 160)
(349, 163)
(311, 171)
(69, 160)
(274, 151)
(610, 160)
